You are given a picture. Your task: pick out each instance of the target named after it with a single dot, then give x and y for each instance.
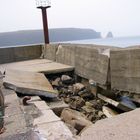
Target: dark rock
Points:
(77, 103)
(78, 87)
(66, 79)
(85, 94)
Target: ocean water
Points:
(116, 41)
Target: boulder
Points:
(75, 118)
(77, 102)
(66, 79)
(78, 87)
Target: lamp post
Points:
(44, 5)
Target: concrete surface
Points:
(125, 69)
(32, 122)
(55, 131)
(29, 83)
(37, 65)
(90, 61)
(122, 127)
(13, 54)
(14, 118)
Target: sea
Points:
(122, 42)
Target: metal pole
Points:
(45, 24)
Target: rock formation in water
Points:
(109, 35)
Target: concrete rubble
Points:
(97, 96)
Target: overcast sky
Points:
(119, 16)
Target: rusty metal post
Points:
(45, 23)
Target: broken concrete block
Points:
(108, 112)
(91, 64)
(119, 105)
(47, 116)
(29, 83)
(55, 131)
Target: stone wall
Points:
(13, 54)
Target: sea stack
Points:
(109, 35)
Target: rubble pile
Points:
(79, 97)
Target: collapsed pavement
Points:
(87, 101)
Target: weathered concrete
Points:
(90, 64)
(49, 52)
(29, 83)
(122, 127)
(14, 118)
(55, 131)
(66, 54)
(91, 61)
(13, 54)
(125, 69)
(37, 65)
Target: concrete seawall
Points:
(103, 64)
(90, 61)
(13, 54)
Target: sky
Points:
(119, 16)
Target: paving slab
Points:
(37, 65)
(29, 83)
(55, 131)
(121, 127)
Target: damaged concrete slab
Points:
(29, 83)
(37, 65)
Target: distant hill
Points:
(36, 36)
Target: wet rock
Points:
(78, 87)
(66, 79)
(75, 118)
(77, 102)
